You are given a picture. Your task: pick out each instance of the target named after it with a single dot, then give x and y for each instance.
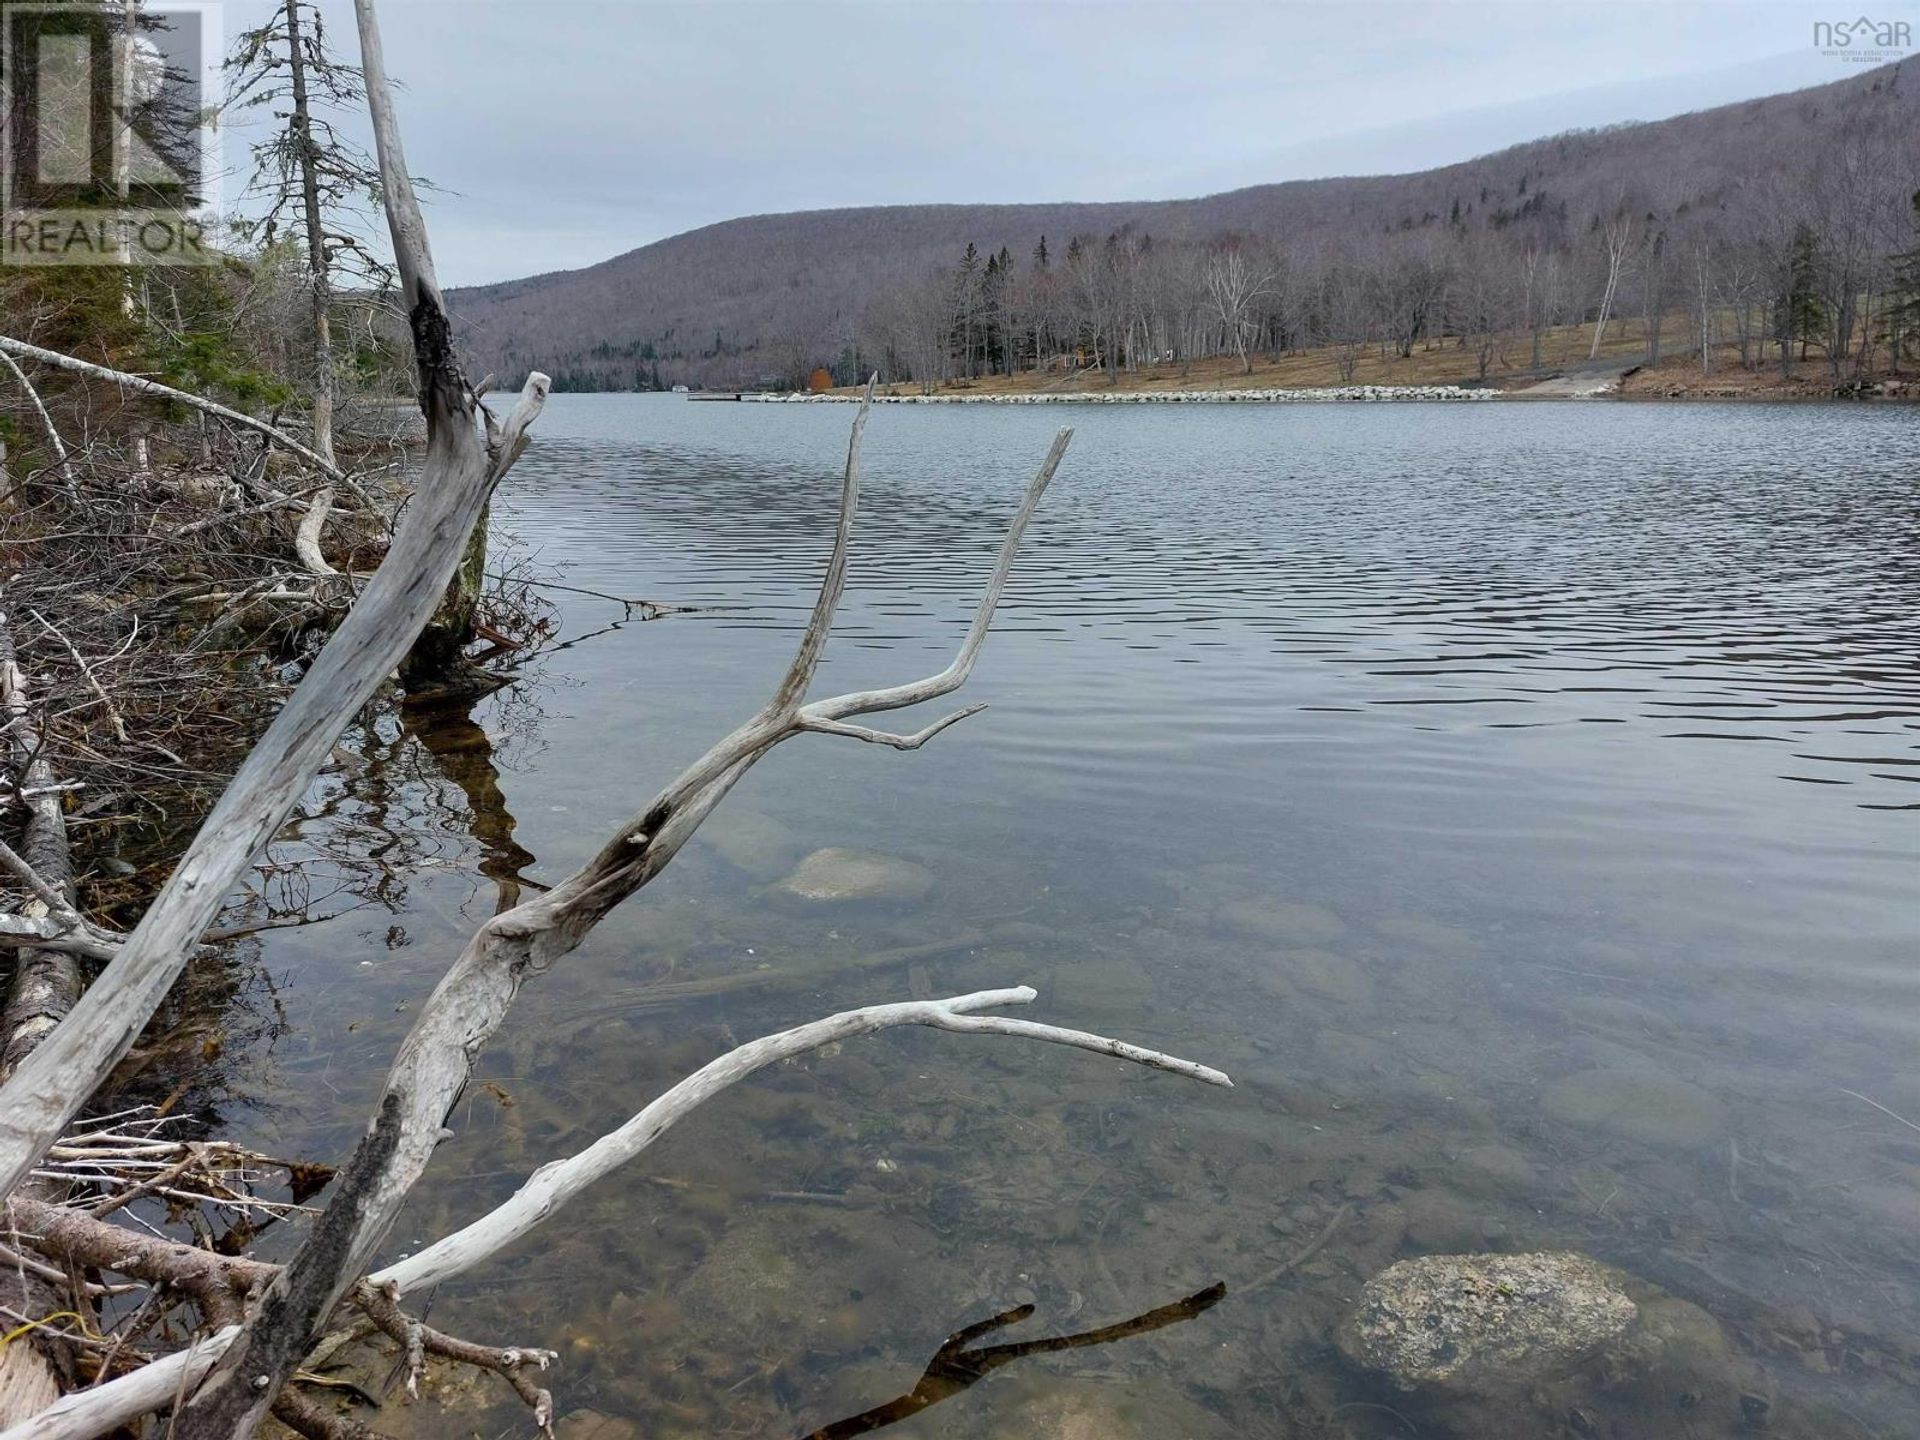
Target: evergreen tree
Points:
(306, 173)
(969, 305)
(1802, 313)
(1903, 313)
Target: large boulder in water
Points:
(1548, 1344)
(839, 876)
(1474, 1322)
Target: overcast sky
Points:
(568, 131)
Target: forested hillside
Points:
(1782, 224)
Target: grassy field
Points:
(1436, 362)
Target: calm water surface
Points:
(1518, 801)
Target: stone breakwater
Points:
(1340, 393)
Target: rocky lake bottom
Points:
(1531, 839)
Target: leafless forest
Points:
(1783, 227)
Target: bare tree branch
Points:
(10, 347)
(553, 1185)
(46, 422)
(220, 1284)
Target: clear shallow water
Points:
(1518, 801)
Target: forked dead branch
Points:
(266, 1320)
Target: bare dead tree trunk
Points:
(320, 286)
(438, 656)
(459, 471)
(1619, 235)
(320, 292)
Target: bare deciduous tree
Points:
(1616, 246)
(1232, 288)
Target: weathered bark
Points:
(458, 472)
(232, 1401)
(438, 659)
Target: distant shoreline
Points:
(1341, 395)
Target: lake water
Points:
(1518, 801)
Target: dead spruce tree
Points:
(305, 166)
(257, 1322)
(310, 180)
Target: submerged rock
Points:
(1639, 1105)
(836, 875)
(1284, 922)
(1485, 1322)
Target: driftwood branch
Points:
(472, 1000)
(458, 475)
(10, 347)
(552, 1186)
(59, 447)
(56, 903)
(509, 1362)
(50, 932)
(37, 1103)
(221, 1284)
(306, 540)
(105, 1408)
